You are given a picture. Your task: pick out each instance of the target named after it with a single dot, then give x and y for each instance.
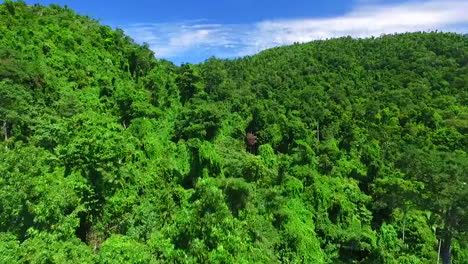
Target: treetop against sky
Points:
(192, 31)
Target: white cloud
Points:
(171, 39)
(370, 18)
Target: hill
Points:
(336, 151)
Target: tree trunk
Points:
(445, 250)
(438, 251)
(404, 223)
(318, 132)
(5, 130)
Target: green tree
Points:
(445, 193)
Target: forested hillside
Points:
(336, 151)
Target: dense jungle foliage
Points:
(356, 149)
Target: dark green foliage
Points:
(108, 155)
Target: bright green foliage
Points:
(10, 251)
(46, 248)
(108, 155)
(121, 249)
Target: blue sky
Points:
(192, 31)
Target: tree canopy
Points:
(334, 151)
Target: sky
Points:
(192, 31)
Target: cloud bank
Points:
(194, 41)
